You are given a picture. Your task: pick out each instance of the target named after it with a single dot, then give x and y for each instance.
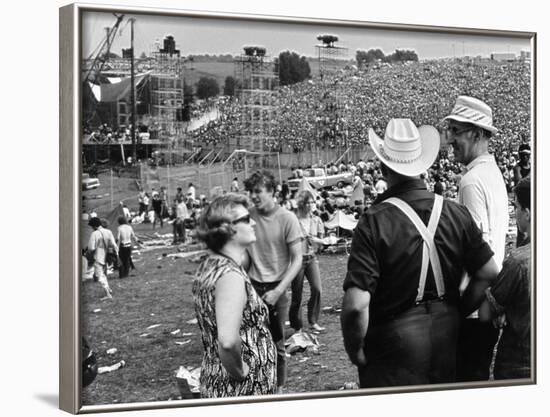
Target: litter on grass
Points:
(301, 341)
(188, 381)
(175, 332)
(349, 385)
(112, 351)
(183, 343)
(153, 326)
(116, 366)
(192, 321)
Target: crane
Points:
(103, 52)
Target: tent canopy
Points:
(305, 185)
(339, 219)
(107, 93)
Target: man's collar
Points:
(481, 159)
(399, 188)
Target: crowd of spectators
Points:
(338, 110)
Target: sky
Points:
(194, 35)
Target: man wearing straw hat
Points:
(401, 305)
(483, 192)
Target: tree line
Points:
(291, 68)
(377, 55)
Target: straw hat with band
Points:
(471, 110)
(406, 149)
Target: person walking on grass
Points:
(313, 230)
(125, 238)
(101, 240)
(274, 259)
(157, 208)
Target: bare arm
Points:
(475, 291)
(271, 297)
(354, 320)
(230, 301)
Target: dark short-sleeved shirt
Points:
(512, 295)
(386, 250)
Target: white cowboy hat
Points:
(406, 149)
(473, 111)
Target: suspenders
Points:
(429, 251)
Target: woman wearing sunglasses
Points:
(239, 353)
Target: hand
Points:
(500, 321)
(271, 297)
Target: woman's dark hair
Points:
(215, 228)
(523, 192)
(261, 178)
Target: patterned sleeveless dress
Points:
(257, 347)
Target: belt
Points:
(126, 245)
(308, 257)
(264, 286)
(430, 298)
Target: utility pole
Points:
(132, 93)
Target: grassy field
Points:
(220, 70)
(217, 70)
(159, 293)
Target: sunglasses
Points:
(244, 219)
(456, 130)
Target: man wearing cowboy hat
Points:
(401, 305)
(483, 192)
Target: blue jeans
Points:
(277, 317)
(310, 269)
(414, 348)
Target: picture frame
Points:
(71, 38)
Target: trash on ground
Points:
(188, 381)
(192, 321)
(184, 342)
(187, 334)
(153, 326)
(112, 351)
(105, 369)
(175, 331)
(144, 335)
(97, 310)
(300, 341)
(349, 385)
(331, 310)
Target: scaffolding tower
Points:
(329, 55)
(257, 81)
(167, 79)
(332, 115)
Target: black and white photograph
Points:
(274, 208)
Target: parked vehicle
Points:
(89, 183)
(318, 178)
